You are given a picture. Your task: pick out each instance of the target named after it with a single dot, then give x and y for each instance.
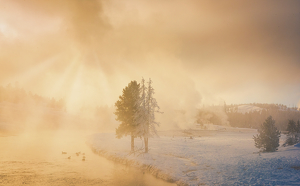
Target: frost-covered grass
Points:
(224, 158)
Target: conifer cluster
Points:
(136, 110)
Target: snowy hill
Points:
(248, 108)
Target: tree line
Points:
(17, 95)
(281, 113)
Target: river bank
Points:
(143, 167)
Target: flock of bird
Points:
(77, 154)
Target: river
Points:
(35, 158)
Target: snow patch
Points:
(297, 145)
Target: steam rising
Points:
(195, 52)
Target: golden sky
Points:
(196, 52)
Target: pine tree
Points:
(141, 114)
(292, 136)
(146, 114)
(268, 136)
(126, 109)
(298, 126)
(291, 127)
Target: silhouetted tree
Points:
(126, 107)
(268, 136)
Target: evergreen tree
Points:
(126, 108)
(291, 128)
(292, 136)
(268, 136)
(142, 113)
(152, 107)
(146, 114)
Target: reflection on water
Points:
(36, 158)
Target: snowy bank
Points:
(225, 158)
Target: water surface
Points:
(35, 158)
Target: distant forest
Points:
(253, 119)
(14, 94)
(20, 110)
(218, 115)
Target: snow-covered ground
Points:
(222, 158)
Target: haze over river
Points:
(35, 158)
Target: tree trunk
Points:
(146, 145)
(132, 142)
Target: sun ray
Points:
(75, 92)
(35, 71)
(62, 81)
(102, 80)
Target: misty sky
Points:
(196, 52)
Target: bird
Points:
(78, 153)
(69, 157)
(83, 158)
